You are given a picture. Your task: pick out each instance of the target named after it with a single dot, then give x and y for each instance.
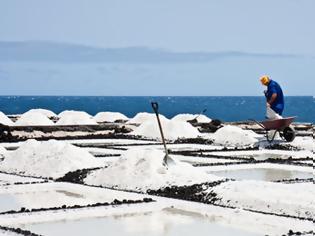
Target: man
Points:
(274, 96)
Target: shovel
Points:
(166, 159)
(194, 121)
(201, 113)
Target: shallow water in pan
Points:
(54, 196)
(8, 202)
(265, 156)
(262, 174)
(45, 199)
(170, 222)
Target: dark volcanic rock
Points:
(194, 192)
(19, 231)
(194, 141)
(76, 176)
(286, 147)
(5, 134)
(291, 233)
(113, 203)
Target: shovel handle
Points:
(155, 107)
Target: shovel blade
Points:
(168, 160)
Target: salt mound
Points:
(44, 112)
(235, 136)
(143, 169)
(47, 159)
(72, 113)
(109, 117)
(5, 120)
(75, 118)
(33, 119)
(144, 116)
(187, 117)
(172, 130)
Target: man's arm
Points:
(272, 99)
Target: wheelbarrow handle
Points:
(155, 107)
(258, 123)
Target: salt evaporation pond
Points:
(265, 156)
(169, 221)
(262, 174)
(8, 202)
(15, 201)
(48, 195)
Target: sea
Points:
(222, 108)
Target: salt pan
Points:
(291, 199)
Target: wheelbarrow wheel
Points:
(289, 133)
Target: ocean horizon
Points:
(225, 108)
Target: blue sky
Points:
(269, 26)
(282, 26)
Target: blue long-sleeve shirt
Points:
(278, 104)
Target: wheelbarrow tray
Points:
(278, 124)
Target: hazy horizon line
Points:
(158, 49)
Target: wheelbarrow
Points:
(281, 126)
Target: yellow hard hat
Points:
(264, 79)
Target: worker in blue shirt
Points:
(274, 94)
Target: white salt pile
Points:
(5, 120)
(235, 136)
(172, 130)
(75, 118)
(291, 199)
(44, 112)
(47, 159)
(187, 117)
(144, 116)
(33, 119)
(109, 117)
(140, 169)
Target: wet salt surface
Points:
(168, 222)
(8, 202)
(37, 199)
(262, 155)
(7, 233)
(6, 179)
(265, 156)
(262, 174)
(55, 195)
(201, 160)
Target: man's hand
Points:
(267, 104)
